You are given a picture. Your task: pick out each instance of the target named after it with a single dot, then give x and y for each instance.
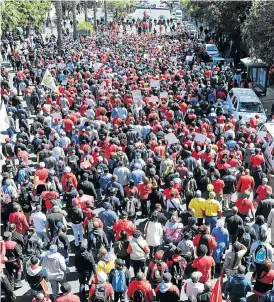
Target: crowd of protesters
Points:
(139, 128)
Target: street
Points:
(267, 101)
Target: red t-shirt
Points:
(262, 190)
(256, 160)
(204, 264)
(144, 190)
(244, 205)
(218, 186)
(107, 286)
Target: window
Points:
(250, 107)
(235, 102)
(211, 48)
(230, 94)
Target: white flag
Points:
(4, 125)
(48, 81)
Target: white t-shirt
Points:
(39, 219)
(193, 288)
(154, 233)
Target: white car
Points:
(212, 50)
(245, 103)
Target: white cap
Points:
(102, 277)
(67, 169)
(42, 164)
(264, 180)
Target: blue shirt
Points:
(108, 218)
(137, 176)
(104, 180)
(230, 145)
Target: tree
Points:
(95, 15)
(58, 9)
(23, 13)
(74, 24)
(120, 6)
(222, 16)
(258, 30)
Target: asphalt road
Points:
(73, 278)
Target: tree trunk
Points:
(95, 15)
(86, 10)
(58, 8)
(74, 20)
(106, 12)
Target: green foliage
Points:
(223, 16)
(258, 30)
(120, 6)
(23, 13)
(86, 26)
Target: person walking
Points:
(56, 268)
(119, 278)
(238, 286)
(77, 218)
(85, 266)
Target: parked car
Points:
(212, 50)
(178, 14)
(244, 102)
(266, 134)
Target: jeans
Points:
(211, 221)
(84, 278)
(44, 237)
(153, 250)
(138, 265)
(78, 232)
(13, 272)
(55, 287)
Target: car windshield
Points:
(211, 48)
(250, 107)
(178, 13)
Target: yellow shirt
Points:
(105, 267)
(212, 207)
(198, 204)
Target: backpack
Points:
(120, 248)
(56, 240)
(260, 253)
(69, 181)
(204, 240)
(100, 294)
(178, 269)
(119, 281)
(21, 175)
(130, 208)
(157, 272)
(246, 238)
(95, 241)
(31, 247)
(138, 296)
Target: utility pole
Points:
(86, 10)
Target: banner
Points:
(48, 81)
(4, 125)
(154, 83)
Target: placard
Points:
(171, 139)
(61, 65)
(137, 94)
(153, 99)
(85, 165)
(173, 59)
(163, 95)
(189, 58)
(200, 138)
(51, 65)
(56, 116)
(45, 286)
(154, 83)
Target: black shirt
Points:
(233, 222)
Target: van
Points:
(266, 134)
(244, 102)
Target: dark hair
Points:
(236, 248)
(123, 235)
